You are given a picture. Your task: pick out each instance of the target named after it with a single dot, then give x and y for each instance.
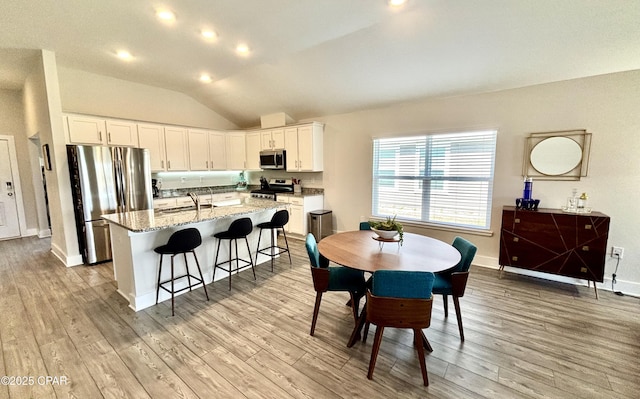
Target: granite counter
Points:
(134, 235)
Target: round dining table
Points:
(364, 250)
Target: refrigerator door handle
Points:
(119, 184)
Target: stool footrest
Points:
(237, 268)
(197, 283)
(267, 251)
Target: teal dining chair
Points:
(365, 226)
(330, 278)
(399, 299)
(454, 281)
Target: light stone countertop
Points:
(150, 220)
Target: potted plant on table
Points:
(388, 228)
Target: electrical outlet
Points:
(617, 251)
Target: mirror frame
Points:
(581, 137)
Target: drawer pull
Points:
(514, 258)
(587, 227)
(583, 269)
(516, 239)
(517, 220)
(585, 248)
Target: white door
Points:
(9, 226)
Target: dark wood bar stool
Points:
(278, 221)
(180, 242)
(239, 228)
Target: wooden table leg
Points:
(356, 334)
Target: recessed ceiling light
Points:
(124, 55)
(204, 78)
(166, 15)
(396, 3)
(242, 49)
(208, 34)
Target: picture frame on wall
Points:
(46, 156)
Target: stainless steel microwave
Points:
(273, 159)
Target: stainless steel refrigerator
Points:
(106, 180)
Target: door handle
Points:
(10, 194)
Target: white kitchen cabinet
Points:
(198, 149)
(236, 150)
(121, 133)
(304, 146)
(151, 137)
(217, 151)
(99, 131)
(299, 208)
(176, 148)
(272, 139)
(86, 130)
(253, 150)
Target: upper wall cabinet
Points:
(303, 144)
(198, 149)
(152, 138)
(176, 148)
(236, 150)
(89, 130)
(272, 139)
(122, 133)
(217, 151)
(86, 130)
(253, 141)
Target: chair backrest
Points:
(315, 258)
(365, 226)
(467, 250)
(280, 218)
(402, 284)
(184, 240)
(240, 227)
(400, 299)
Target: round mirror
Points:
(556, 156)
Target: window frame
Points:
(427, 175)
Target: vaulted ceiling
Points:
(311, 58)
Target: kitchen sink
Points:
(183, 209)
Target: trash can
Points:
(320, 223)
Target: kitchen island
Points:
(134, 235)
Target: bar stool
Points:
(239, 228)
(180, 242)
(278, 221)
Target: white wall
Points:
(606, 106)
(12, 124)
(89, 93)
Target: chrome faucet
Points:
(196, 200)
(211, 195)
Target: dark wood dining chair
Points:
(326, 278)
(399, 299)
(454, 281)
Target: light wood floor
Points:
(524, 338)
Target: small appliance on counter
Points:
(154, 187)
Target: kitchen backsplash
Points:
(185, 180)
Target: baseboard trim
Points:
(627, 287)
(68, 261)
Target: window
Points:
(443, 179)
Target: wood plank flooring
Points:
(525, 338)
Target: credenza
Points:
(553, 241)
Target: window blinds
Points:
(443, 179)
